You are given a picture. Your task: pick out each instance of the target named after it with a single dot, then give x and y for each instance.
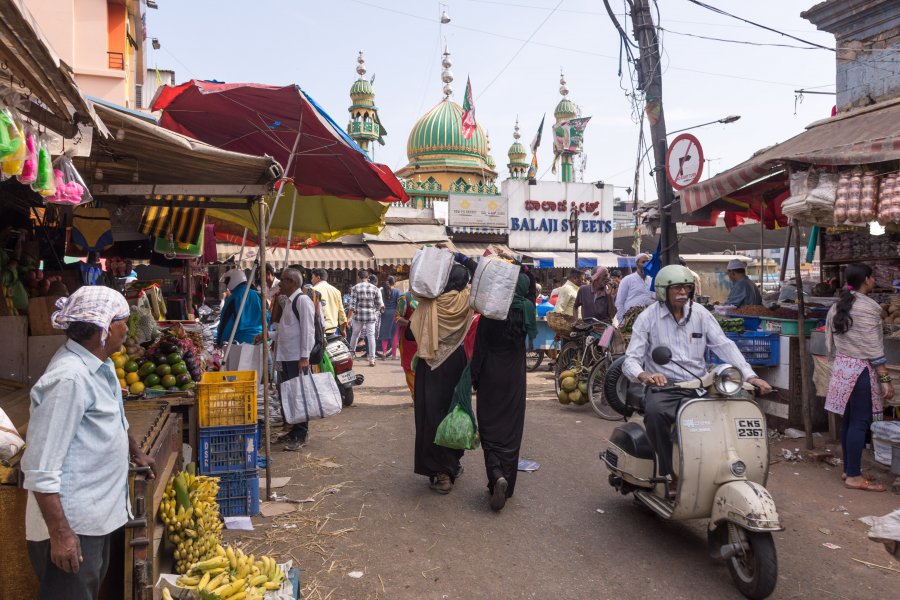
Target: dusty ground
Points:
(565, 534)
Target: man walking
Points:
(565, 303)
(634, 290)
(295, 339)
(76, 462)
(332, 302)
(593, 298)
(366, 306)
(250, 323)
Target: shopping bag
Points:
(458, 430)
(245, 357)
(310, 396)
(430, 271)
(493, 287)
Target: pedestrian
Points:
(406, 305)
(439, 326)
(388, 329)
(76, 462)
(565, 302)
(271, 282)
(859, 379)
(593, 298)
(498, 377)
(743, 291)
(366, 305)
(615, 278)
(634, 290)
(294, 337)
(332, 302)
(250, 324)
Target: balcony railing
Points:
(116, 61)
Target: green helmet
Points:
(671, 275)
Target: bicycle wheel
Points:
(595, 391)
(565, 361)
(533, 359)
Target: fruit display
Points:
(191, 515)
(572, 391)
(170, 363)
(233, 575)
(731, 325)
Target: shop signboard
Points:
(467, 210)
(539, 215)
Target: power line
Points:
(761, 26)
(746, 42)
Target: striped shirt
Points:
(366, 302)
(687, 339)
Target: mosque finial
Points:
(360, 65)
(447, 74)
(562, 83)
(516, 134)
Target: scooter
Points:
(338, 351)
(721, 460)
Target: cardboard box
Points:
(39, 311)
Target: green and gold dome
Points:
(437, 150)
(566, 109)
(517, 155)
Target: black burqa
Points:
(498, 375)
(433, 392)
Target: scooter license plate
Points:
(749, 428)
(346, 377)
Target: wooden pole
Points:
(265, 348)
(805, 370)
(787, 250)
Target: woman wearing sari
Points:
(498, 376)
(439, 326)
(406, 305)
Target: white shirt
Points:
(688, 341)
(274, 289)
(295, 338)
(634, 290)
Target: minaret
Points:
(447, 74)
(517, 155)
(565, 110)
(489, 160)
(364, 126)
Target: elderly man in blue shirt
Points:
(76, 461)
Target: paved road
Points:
(565, 534)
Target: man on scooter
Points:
(687, 329)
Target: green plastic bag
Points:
(458, 429)
(325, 366)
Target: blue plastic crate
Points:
(227, 449)
(261, 462)
(759, 348)
(239, 494)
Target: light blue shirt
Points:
(77, 444)
(634, 290)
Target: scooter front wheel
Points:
(755, 571)
(347, 396)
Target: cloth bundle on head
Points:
(96, 305)
(440, 324)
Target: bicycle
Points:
(584, 353)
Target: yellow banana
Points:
(272, 585)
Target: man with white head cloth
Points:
(76, 461)
(634, 289)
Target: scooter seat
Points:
(632, 438)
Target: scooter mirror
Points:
(661, 355)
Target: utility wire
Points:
(761, 26)
(749, 43)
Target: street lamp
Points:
(724, 120)
(573, 231)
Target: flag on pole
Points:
(532, 169)
(468, 116)
(568, 136)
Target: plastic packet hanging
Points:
(29, 166)
(9, 141)
(44, 183)
(13, 162)
(70, 188)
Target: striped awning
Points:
(324, 256)
(566, 260)
(477, 249)
(865, 136)
(392, 254)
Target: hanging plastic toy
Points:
(29, 166)
(44, 184)
(9, 142)
(13, 163)
(70, 188)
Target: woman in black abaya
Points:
(498, 376)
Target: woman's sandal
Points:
(866, 486)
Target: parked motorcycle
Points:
(721, 460)
(338, 351)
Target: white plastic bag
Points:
(430, 271)
(10, 440)
(310, 396)
(884, 435)
(885, 529)
(493, 287)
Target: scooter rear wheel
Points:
(755, 571)
(347, 396)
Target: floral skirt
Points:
(844, 373)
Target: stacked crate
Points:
(226, 402)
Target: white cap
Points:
(735, 264)
(233, 278)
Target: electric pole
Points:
(650, 82)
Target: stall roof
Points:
(703, 240)
(566, 260)
(168, 163)
(477, 249)
(864, 136)
(409, 233)
(387, 253)
(35, 70)
(326, 256)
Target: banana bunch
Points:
(191, 515)
(232, 575)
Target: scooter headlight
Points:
(728, 380)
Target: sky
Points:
(513, 51)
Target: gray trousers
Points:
(56, 584)
(660, 410)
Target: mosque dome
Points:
(566, 109)
(439, 131)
